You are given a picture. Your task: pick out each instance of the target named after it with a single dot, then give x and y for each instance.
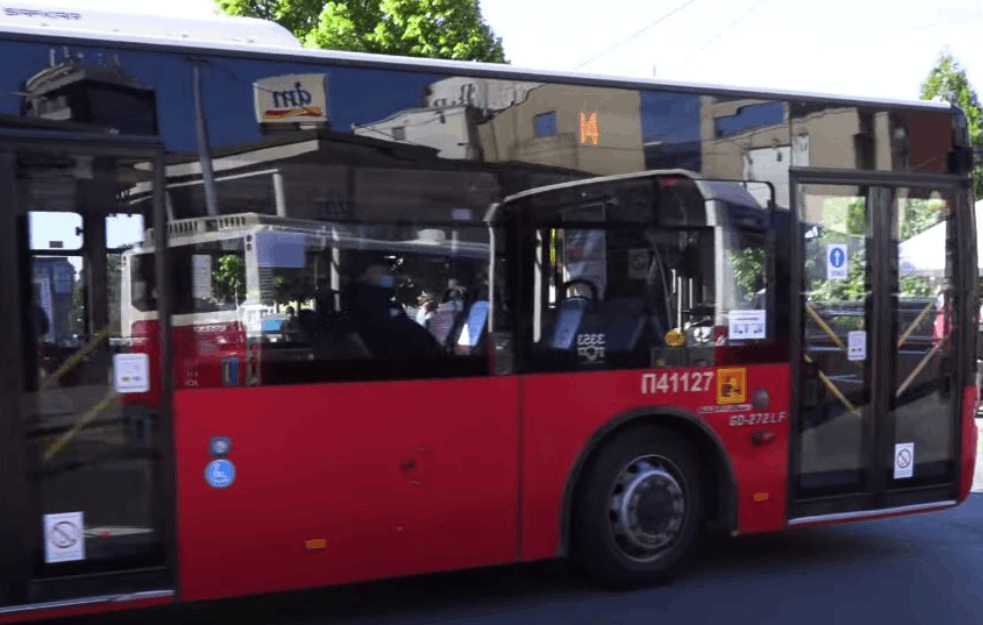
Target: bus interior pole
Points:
(204, 152)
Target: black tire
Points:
(601, 545)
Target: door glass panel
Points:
(94, 453)
(922, 451)
(836, 383)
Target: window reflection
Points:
(624, 266)
(323, 143)
(850, 137)
(55, 230)
(83, 88)
(323, 301)
(748, 139)
(671, 130)
(750, 117)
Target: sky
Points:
(866, 48)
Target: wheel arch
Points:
(724, 480)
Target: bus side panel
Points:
(337, 483)
(561, 412)
(970, 441)
(88, 609)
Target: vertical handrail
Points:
(204, 151)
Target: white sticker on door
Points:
(836, 266)
(201, 276)
(904, 460)
(856, 343)
(131, 373)
(64, 537)
(745, 325)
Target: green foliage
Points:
(947, 80)
(291, 285)
(920, 215)
(229, 278)
(748, 264)
(855, 286)
(845, 223)
(445, 29)
(917, 216)
(297, 16)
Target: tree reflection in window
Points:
(229, 278)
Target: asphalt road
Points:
(918, 569)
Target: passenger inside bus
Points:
(383, 325)
(357, 309)
(291, 328)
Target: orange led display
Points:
(588, 128)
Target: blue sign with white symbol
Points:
(220, 473)
(230, 371)
(219, 446)
(836, 265)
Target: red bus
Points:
(293, 318)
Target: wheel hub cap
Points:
(648, 505)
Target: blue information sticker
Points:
(219, 446)
(230, 372)
(220, 473)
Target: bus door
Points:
(88, 498)
(877, 343)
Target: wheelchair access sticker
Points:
(732, 386)
(220, 473)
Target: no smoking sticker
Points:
(64, 537)
(904, 460)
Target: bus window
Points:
(60, 230)
(620, 291)
(205, 278)
(123, 232)
(325, 301)
(647, 272)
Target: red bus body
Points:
(419, 487)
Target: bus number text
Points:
(758, 418)
(686, 382)
(590, 347)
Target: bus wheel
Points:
(639, 512)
